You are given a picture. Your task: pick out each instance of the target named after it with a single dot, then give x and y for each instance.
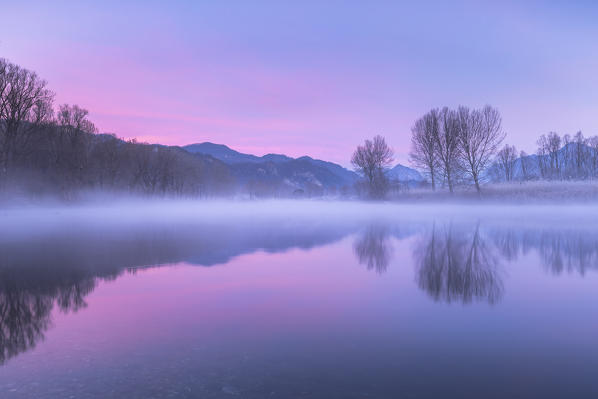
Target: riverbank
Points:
(550, 192)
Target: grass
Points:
(517, 192)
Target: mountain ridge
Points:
(334, 174)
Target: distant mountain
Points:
(405, 174)
(278, 173)
(296, 174)
(221, 152)
(348, 176)
(277, 169)
(275, 158)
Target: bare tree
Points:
(480, 134)
(506, 158)
(542, 158)
(75, 120)
(447, 145)
(71, 145)
(372, 160)
(25, 103)
(549, 160)
(424, 136)
(554, 145)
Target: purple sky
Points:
(310, 78)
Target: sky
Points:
(312, 77)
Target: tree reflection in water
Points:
(457, 265)
(23, 320)
(373, 248)
(25, 310)
(453, 263)
(41, 272)
(560, 250)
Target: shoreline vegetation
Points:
(522, 192)
(55, 153)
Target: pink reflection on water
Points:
(311, 308)
(252, 299)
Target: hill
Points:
(277, 173)
(405, 174)
(280, 172)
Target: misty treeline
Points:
(557, 158)
(48, 148)
(462, 147)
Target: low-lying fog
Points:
(15, 220)
(135, 234)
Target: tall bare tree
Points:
(74, 119)
(447, 145)
(480, 134)
(71, 145)
(372, 160)
(581, 155)
(424, 136)
(25, 103)
(549, 160)
(507, 158)
(542, 157)
(554, 145)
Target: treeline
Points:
(449, 146)
(461, 147)
(47, 149)
(557, 158)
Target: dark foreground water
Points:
(388, 302)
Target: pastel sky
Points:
(309, 77)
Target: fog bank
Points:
(30, 219)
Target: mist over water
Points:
(297, 299)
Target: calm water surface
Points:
(355, 306)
